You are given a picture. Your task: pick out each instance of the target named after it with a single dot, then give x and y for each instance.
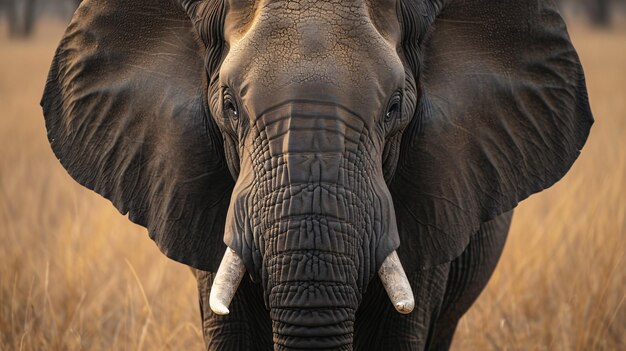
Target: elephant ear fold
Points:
(503, 114)
(125, 113)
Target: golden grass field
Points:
(75, 274)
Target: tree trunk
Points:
(599, 12)
(21, 16)
(28, 23)
(10, 8)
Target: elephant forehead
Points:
(242, 14)
(301, 47)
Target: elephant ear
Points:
(503, 114)
(125, 112)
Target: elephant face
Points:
(307, 98)
(315, 138)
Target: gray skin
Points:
(314, 138)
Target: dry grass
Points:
(75, 274)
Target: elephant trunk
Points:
(319, 311)
(313, 220)
(313, 282)
(319, 329)
(231, 271)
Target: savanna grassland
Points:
(75, 274)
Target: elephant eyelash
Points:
(229, 107)
(394, 108)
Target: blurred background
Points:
(75, 274)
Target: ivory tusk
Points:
(396, 284)
(226, 282)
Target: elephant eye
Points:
(229, 107)
(394, 108)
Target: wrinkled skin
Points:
(444, 293)
(314, 139)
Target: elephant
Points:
(338, 174)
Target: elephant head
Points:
(317, 140)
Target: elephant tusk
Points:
(396, 284)
(226, 282)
